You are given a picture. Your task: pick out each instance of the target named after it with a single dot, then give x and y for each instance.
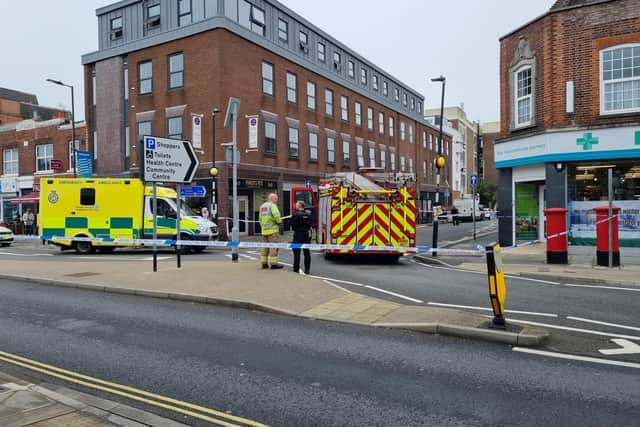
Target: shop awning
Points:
(29, 199)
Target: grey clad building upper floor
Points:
(131, 25)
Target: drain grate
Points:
(83, 274)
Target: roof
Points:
(15, 95)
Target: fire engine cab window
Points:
(87, 196)
(304, 196)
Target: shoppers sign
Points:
(582, 222)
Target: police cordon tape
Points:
(227, 219)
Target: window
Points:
(381, 123)
(411, 165)
(144, 128)
(360, 155)
(10, 161)
(404, 99)
(383, 158)
(174, 125)
(176, 71)
(403, 131)
(44, 155)
(153, 16)
(125, 78)
(184, 12)
(420, 107)
(374, 82)
(331, 149)
(313, 146)
(351, 69)
(620, 85)
(252, 17)
(270, 143)
(392, 158)
(346, 159)
(311, 96)
(283, 30)
(372, 157)
(344, 108)
(337, 61)
(413, 104)
(304, 41)
(294, 142)
(411, 134)
(210, 8)
(267, 78)
(424, 139)
(292, 95)
(369, 118)
(358, 114)
(145, 77)
(321, 52)
(391, 127)
(402, 164)
(87, 196)
(523, 97)
(431, 142)
(385, 88)
(424, 168)
(363, 76)
(116, 28)
(396, 95)
(328, 102)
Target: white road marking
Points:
(602, 287)
(567, 328)
(579, 358)
(335, 286)
(25, 255)
(628, 347)
(532, 313)
(548, 282)
(362, 285)
(450, 269)
(597, 322)
(243, 256)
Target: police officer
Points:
(301, 224)
(270, 227)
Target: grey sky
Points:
(413, 40)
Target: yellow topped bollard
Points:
(497, 284)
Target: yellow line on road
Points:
(112, 388)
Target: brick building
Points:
(16, 106)
(320, 106)
(570, 110)
(487, 172)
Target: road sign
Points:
(84, 164)
(628, 347)
(56, 164)
(169, 160)
(474, 180)
(193, 191)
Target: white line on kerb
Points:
(567, 328)
(532, 313)
(548, 282)
(336, 286)
(579, 358)
(598, 322)
(602, 287)
(362, 285)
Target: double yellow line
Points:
(174, 405)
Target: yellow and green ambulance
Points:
(114, 208)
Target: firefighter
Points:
(270, 225)
(301, 224)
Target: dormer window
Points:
(184, 12)
(116, 28)
(304, 41)
(153, 16)
(337, 61)
(257, 20)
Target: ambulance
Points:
(117, 209)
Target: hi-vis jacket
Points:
(269, 218)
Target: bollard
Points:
(497, 285)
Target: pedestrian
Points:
(301, 224)
(28, 218)
(204, 212)
(454, 215)
(270, 227)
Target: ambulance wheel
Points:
(185, 249)
(106, 249)
(83, 248)
(4, 245)
(198, 249)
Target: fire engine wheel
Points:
(83, 248)
(329, 256)
(394, 258)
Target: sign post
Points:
(231, 121)
(474, 184)
(497, 285)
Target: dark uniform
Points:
(301, 224)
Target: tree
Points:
(488, 194)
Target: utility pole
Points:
(439, 164)
(231, 120)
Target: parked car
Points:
(6, 236)
(486, 213)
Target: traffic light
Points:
(440, 161)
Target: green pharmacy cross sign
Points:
(588, 141)
(637, 137)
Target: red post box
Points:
(602, 236)
(556, 235)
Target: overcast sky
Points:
(411, 39)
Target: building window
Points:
(304, 41)
(344, 108)
(125, 77)
(383, 158)
(145, 77)
(424, 139)
(369, 118)
(267, 78)
(358, 114)
(337, 61)
(523, 96)
(292, 95)
(385, 88)
(396, 95)
(424, 168)
(153, 16)
(391, 127)
(321, 52)
(210, 8)
(313, 146)
(392, 159)
(351, 69)
(10, 161)
(328, 102)
(403, 131)
(346, 158)
(411, 170)
(411, 134)
(363, 76)
(372, 157)
(374, 82)
(144, 129)
(620, 79)
(430, 142)
(294, 142)
(402, 163)
(270, 142)
(174, 124)
(116, 28)
(252, 17)
(404, 99)
(176, 71)
(413, 104)
(360, 155)
(420, 107)
(44, 155)
(331, 149)
(311, 96)
(381, 123)
(184, 12)
(283, 30)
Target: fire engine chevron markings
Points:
(628, 347)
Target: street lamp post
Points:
(439, 164)
(73, 125)
(214, 171)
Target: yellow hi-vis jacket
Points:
(269, 218)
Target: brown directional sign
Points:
(56, 164)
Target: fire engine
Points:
(366, 208)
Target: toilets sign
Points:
(169, 160)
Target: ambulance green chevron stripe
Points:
(76, 222)
(121, 222)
